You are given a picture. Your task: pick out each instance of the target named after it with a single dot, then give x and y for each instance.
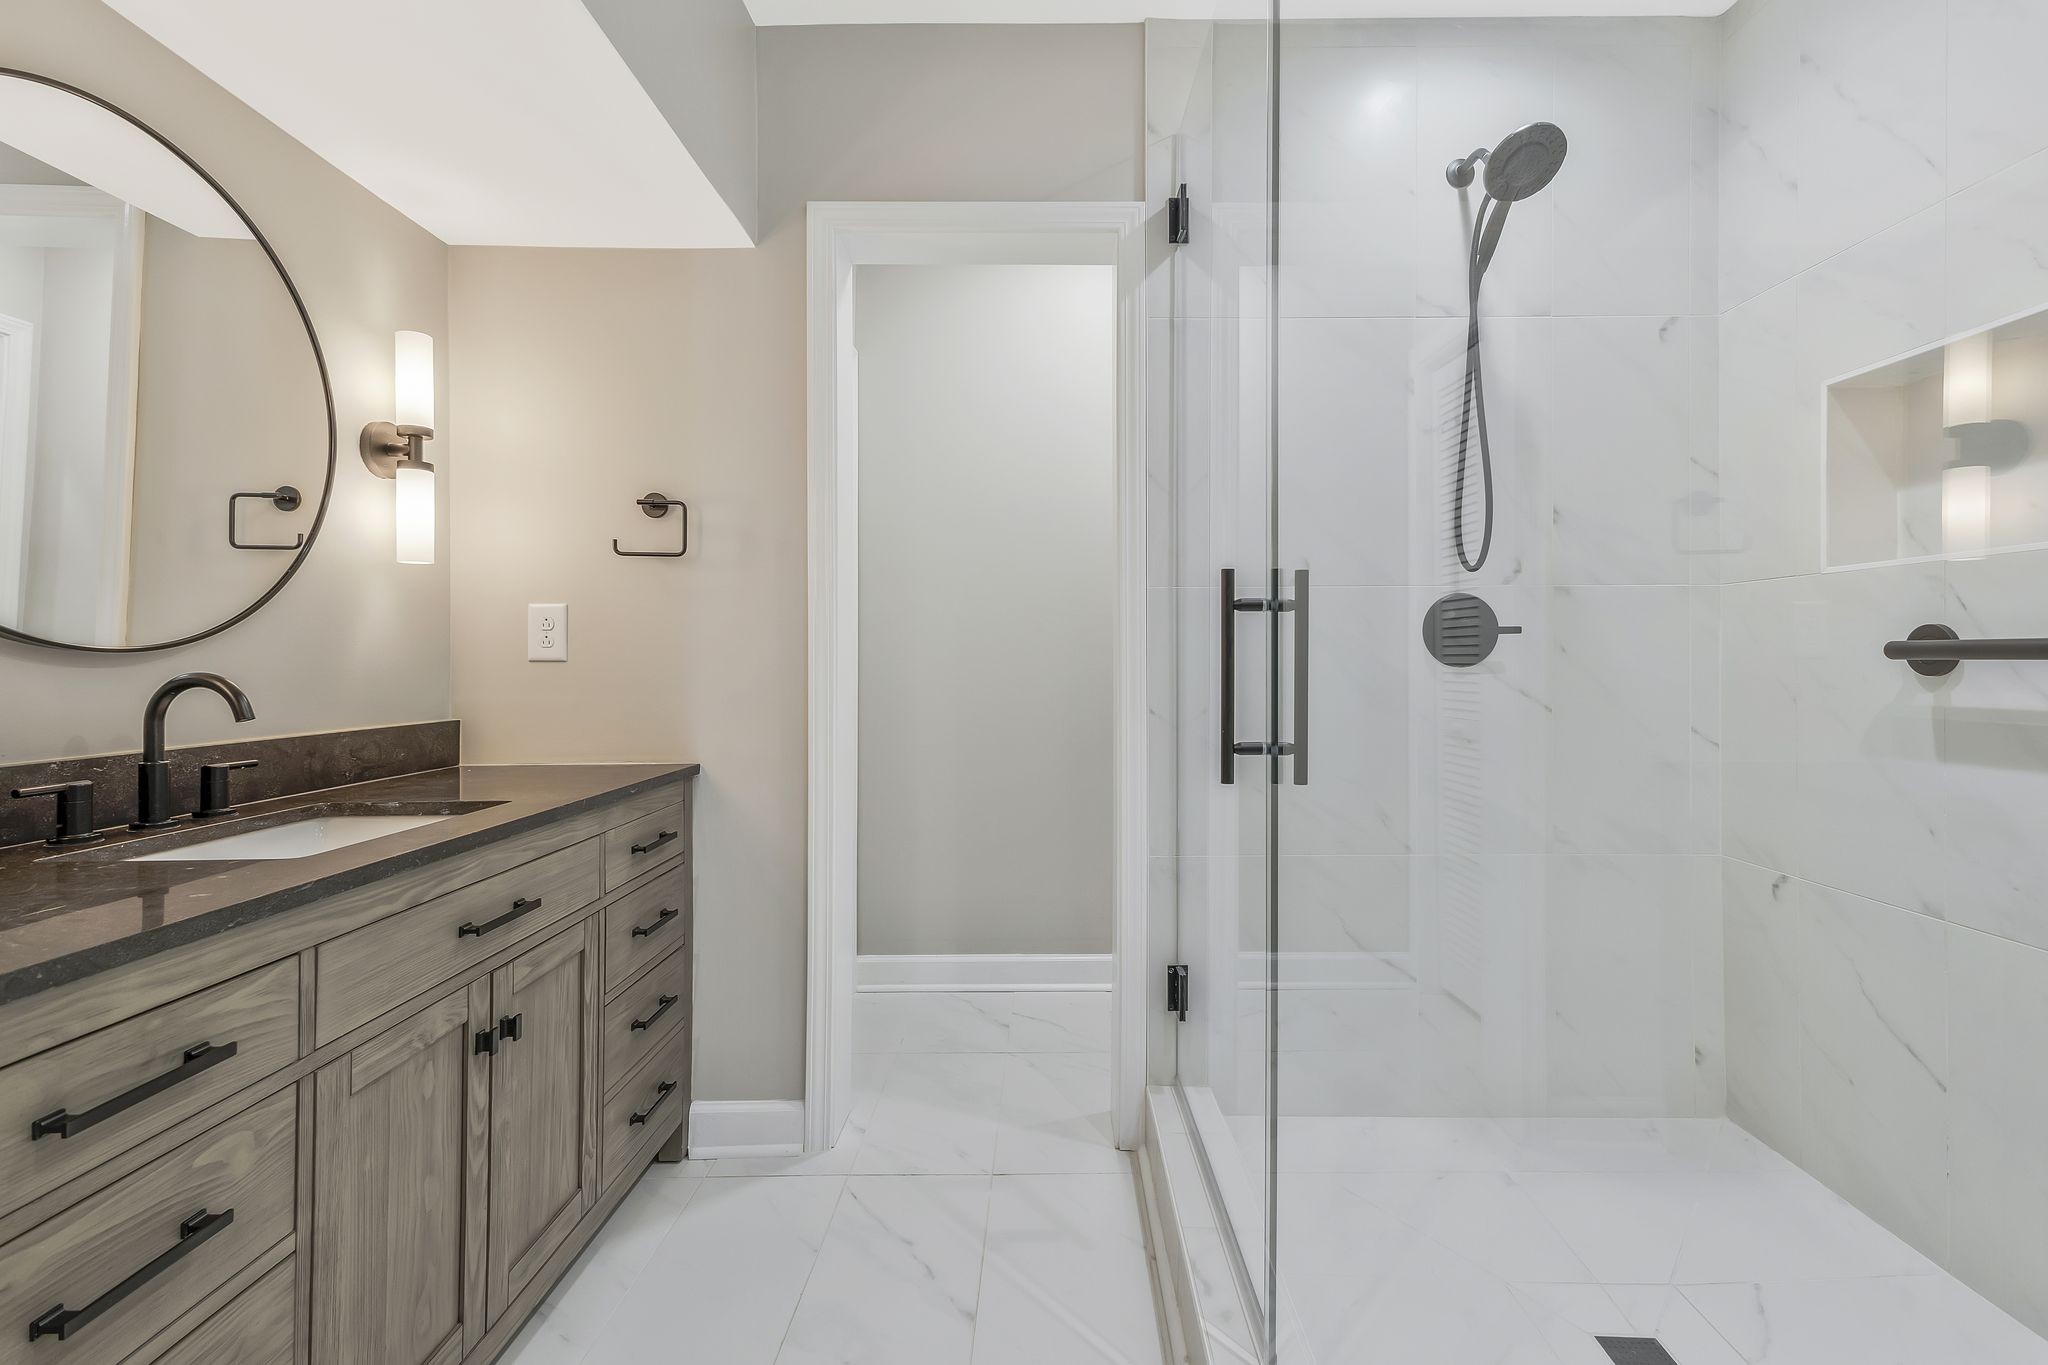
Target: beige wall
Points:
(987, 606)
(583, 379)
(355, 639)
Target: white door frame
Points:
(843, 236)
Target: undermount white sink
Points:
(298, 839)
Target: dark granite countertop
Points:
(68, 914)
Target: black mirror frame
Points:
(319, 363)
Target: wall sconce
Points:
(397, 450)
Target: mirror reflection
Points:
(154, 369)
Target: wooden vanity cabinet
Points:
(433, 1157)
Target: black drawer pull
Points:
(661, 922)
(657, 841)
(512, 1027)
(519, 907)
(662, 1006)
(204, 1057)
(667, 1088)
(65, 1323)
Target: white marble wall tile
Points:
(1996, 267)
(1624, 244)
(898, 1277)
(1059, 1021)
(1998, 1033)
(1348, 179)
(1620, 750)
(1763, 87)
(1066, 1276)
(1761, 648)
(1773, 488)
(1873, 131)
(1347, 911)
(1764, 912)
(1878, 299)
(1617, 1004)
(1997, 106)
(1631, 485)
(1874, 1062)
(1357, 799)
(1344, 460)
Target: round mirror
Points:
(166, 426)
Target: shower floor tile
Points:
(1529, 1239)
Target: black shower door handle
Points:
(1232, 748)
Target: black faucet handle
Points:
(215, 796)
(75, 816)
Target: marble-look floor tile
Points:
(1785, 1227)
(1055, 1116)
(1906, 1320)
(1485, 1217)
(1059, 1021)
(898, 1278)
(937, 1115)
(1067, 1276)
(1627, 1228)
(733, 1271)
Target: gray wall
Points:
(697, 63)
(684, 371)
(356, 639)
(987, 402)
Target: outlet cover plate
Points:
(547, 632)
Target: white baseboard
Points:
(983, 972)
(724, 1128)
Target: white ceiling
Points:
(487, 122)
(779, 12)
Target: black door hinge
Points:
(1179, 211)
(1177, 991)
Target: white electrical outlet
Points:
(547, 632)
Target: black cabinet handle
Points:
(667, 1088)
(520, 907)
(64, 1124)
(65, 1323)
(663, 1006)
(657, 841)
(660, 922)
(512, 1026)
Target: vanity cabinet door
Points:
(398, 1195)
(543, 1155)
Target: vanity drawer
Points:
(648, 1107)
(254, 1329)
(645, 924)
(645, 1016)
(66, 1111)
(113, 1271)
(383, 965)
(647, 843)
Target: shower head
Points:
(1525, 161)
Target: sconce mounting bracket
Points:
(386, 445)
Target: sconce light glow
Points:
(415, 381)
(398, 450)
(415, 513)
(1965, 509)
(1966, 381)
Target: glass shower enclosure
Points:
(1626, 441)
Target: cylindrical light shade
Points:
(415, 513)
(1965, 509)
(1966, 381)
(415, 380)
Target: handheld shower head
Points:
(1525, 162)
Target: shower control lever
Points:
(1233, 748)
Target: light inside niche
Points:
(1965, 509)
(1966, 381)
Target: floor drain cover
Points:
(1635, 1351)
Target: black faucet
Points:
(153, 774)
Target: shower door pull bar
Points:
(1232, 747)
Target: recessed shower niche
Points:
(1942, 452)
